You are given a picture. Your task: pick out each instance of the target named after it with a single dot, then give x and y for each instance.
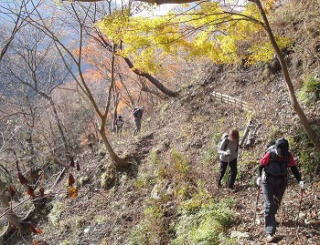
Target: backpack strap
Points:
(226, 144)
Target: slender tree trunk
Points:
(118, 162)
(59, 124)
(296, 106)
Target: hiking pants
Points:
(273, 189)
(118, 129)
(137, 121)
(233, 172)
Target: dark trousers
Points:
(273, 189)
(233, 172)
(137, 121)
(118, 129)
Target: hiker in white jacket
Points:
(228, 150)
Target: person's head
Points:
(234, 135)
(120, 117)
(282, 147)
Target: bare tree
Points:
(14, 12)
(34, 65)
(76, 70)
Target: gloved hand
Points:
(301, 183)
(258, 181)
(227, 153)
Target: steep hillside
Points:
(169, 193)
(172, 178)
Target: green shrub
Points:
(177, 170)
(154, 158)
(301, 145)
(203, 221)
(310, 91)
(149, 229)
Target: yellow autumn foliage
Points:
(205, 31)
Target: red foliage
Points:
(34, 229)
(71, 180)
(12, 190)
(30, 191)
(22, 179)
(39, 243)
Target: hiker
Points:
(228, 151)
(273, 176)
(137, 115)
(119, 124)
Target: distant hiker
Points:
(137, 115)
(228, 150)
(119, 124)
(91, 140)
(274, 180)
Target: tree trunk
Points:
(152, 79)
(296, 106)
(118, 162)
(59, 124)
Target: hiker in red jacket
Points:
(274, 180)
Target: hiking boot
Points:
(270, 238)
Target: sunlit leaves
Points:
(207, 31)
(264, 52)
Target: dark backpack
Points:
(278, 167)
(224, 138)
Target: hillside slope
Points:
(169, 194)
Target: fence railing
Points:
(231, 100)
